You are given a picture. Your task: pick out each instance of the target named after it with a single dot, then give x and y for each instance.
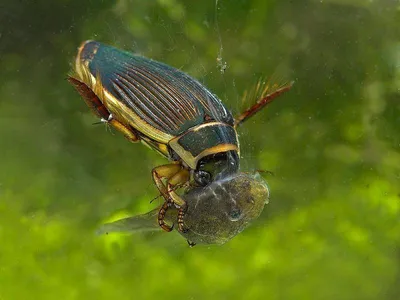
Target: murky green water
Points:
(331, 229)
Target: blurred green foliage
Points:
(332, 229)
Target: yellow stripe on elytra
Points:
(118, 109)
(127, 115)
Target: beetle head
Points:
(216, 166)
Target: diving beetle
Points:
(167, 110)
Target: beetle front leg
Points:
(177, 180)
(181, 215)
(161, 216)
(175, 175)
(159, 173)
(164, 172)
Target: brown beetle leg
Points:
(181, 215)
(161, 216)
(261, 104)
(164, 172)
(126, 131)
(179, 179)
(99, 109)
(90, 98)
(175, 175)
(181, 205)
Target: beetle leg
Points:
(181, 215)
(161, 216)
(93, 101)
(261, 104)
(167, 172)
(159, 173)
(175, 175)
(182, 207)
(126, 131)
(179, 178)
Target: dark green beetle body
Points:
(167, 109)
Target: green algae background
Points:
(332, 228)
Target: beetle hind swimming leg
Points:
(99, 109)
(267, 94)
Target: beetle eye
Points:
(235, 214)
(202, 177)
